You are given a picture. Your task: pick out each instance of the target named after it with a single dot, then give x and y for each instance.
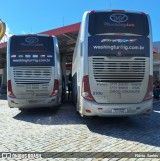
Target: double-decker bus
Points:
(112, 68)
(33, 71)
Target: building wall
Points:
(156, 44)
(156, 64)
(156, 71)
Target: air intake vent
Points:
(32, 75)
(118, 70)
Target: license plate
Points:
(119, 110)
(32, 101)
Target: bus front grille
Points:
(32, 75)
(118, 70)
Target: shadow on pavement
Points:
(3, 97)
(144, 129)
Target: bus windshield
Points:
(31, 50)
(112, 23)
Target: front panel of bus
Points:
(31, 67)
(119, 57)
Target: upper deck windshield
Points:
(117, 22)
(31, 50)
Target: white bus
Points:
(113, 64)
(33, 71)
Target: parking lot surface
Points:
(46, 130)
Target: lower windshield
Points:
(117, 22)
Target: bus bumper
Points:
(33, 103)
(107, 110)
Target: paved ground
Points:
(44, 130)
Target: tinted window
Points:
(113, 22)
(31, 51)
(31, 43)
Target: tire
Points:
(23, 109)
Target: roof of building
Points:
(66, 35)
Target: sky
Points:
(34, 16)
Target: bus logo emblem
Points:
(31, 40)
(118, 17)
(119, 53)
